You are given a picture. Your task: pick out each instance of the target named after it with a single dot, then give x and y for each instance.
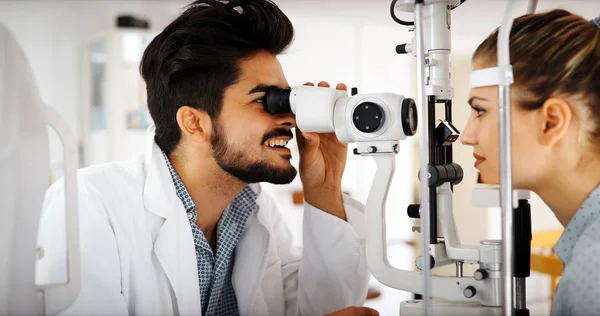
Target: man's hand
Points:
(355, 311)
(322, 163)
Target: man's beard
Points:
(238, 165)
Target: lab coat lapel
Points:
(250, 264)
(173, 240)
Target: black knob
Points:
(354, 91)
(470, 291)
(522, 312)
(421, 261)
(401, 49)
(480, 274)
(440, 174)
(368, 117)
(413, 211)
(355, 151)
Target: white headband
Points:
(484, 77)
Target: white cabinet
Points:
(113, 113)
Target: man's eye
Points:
(260, 100)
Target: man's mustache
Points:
(277, 133)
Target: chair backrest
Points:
(24, 170)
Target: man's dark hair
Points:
(197, 56)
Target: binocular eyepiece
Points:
(277, 101)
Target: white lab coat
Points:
(138, 255)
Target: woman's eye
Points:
(260, 100)
(479, 111)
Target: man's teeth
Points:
(276, 143)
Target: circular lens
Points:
(409, 117)
(368, 117)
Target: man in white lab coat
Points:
(185, 229)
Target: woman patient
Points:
(555, 110)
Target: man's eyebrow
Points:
(476, 98)
(261, 88)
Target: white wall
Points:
(52, 34)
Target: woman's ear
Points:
(556, 116)
(194, 124)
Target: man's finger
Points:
(371, 312)
(341, 86)
(300, 139)
(309, 146)
(323, 84)
(365, 311)
(309, 84)
(355, 311)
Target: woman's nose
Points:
(468, 135)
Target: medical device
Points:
(25, 170)
(490, 290)
(359, 118)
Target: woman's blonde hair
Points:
(553, 54)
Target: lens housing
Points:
(277, 101)
(409, 117)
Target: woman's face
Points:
(482, 132)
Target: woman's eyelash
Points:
(479, 111)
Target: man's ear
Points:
(195, 124)
(556, 116)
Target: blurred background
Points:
(86, 66)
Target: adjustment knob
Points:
(404, 48)
(368, 117)
(420, 262)
(413, 211)
(480, 274)
(470, 291)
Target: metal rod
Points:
(459, 269)
(521, 293)
(423, 155)
(432, 214)
(506, 201)
(506, 188)
(448, 108)
(435, 154)
(532, 6)
(522, 252)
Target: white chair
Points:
(24, 172)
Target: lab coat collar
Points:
(160, 196)
(174, 243)
(250, 265)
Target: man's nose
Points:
(287, 120)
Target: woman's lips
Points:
(478, 160)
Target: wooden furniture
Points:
(543, 258)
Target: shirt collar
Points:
(587, 213)
(182, 192)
